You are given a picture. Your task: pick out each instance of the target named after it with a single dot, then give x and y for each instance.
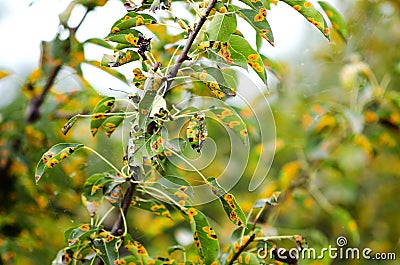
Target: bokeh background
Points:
(337, 114)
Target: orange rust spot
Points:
(223, 9)
(115, 30)
(213, 85)
(203, 75)
(297, 7)
(253, 57)
(236, 246)
(234, 123)
(215, 45)
(224, 52)
(139, 21)
(259, 17)
(247, 259)
(307, 5)
(84, 227)
(263, 11)
(192, 211)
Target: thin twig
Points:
(242, 248)
(126, 202)
(117, 229)
(192, 36)
(33, 110)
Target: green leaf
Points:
(335, 18)
(54, 156)
(106, 249)
(152, 206)
(232, 120)
(139, 252)
(110, 71)
(100, 111)
(204, 236)
(79, 234)
(344, 218)
(259, 22)
(130, 37)
(178, 186)
(253, 4)
(237, 52)
(252, 57)
(65, 129)
(132, 19)
(113, 194)
(97, 182)
(221, 51)
(231, 207)
(99, 42)
(311, 14)
(196, 130)
(248, 258)
(92, 193)
(101, 185)
(155, 145)
(145, 106)
(112, 122)
(177, 189)
(120, 58)
(222, 26)
(218, 80)
(139, 78)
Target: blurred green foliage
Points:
(336, 165)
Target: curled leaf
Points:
(65, 129)
(196, 130)
(54, 156)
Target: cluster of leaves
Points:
(147, 148)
